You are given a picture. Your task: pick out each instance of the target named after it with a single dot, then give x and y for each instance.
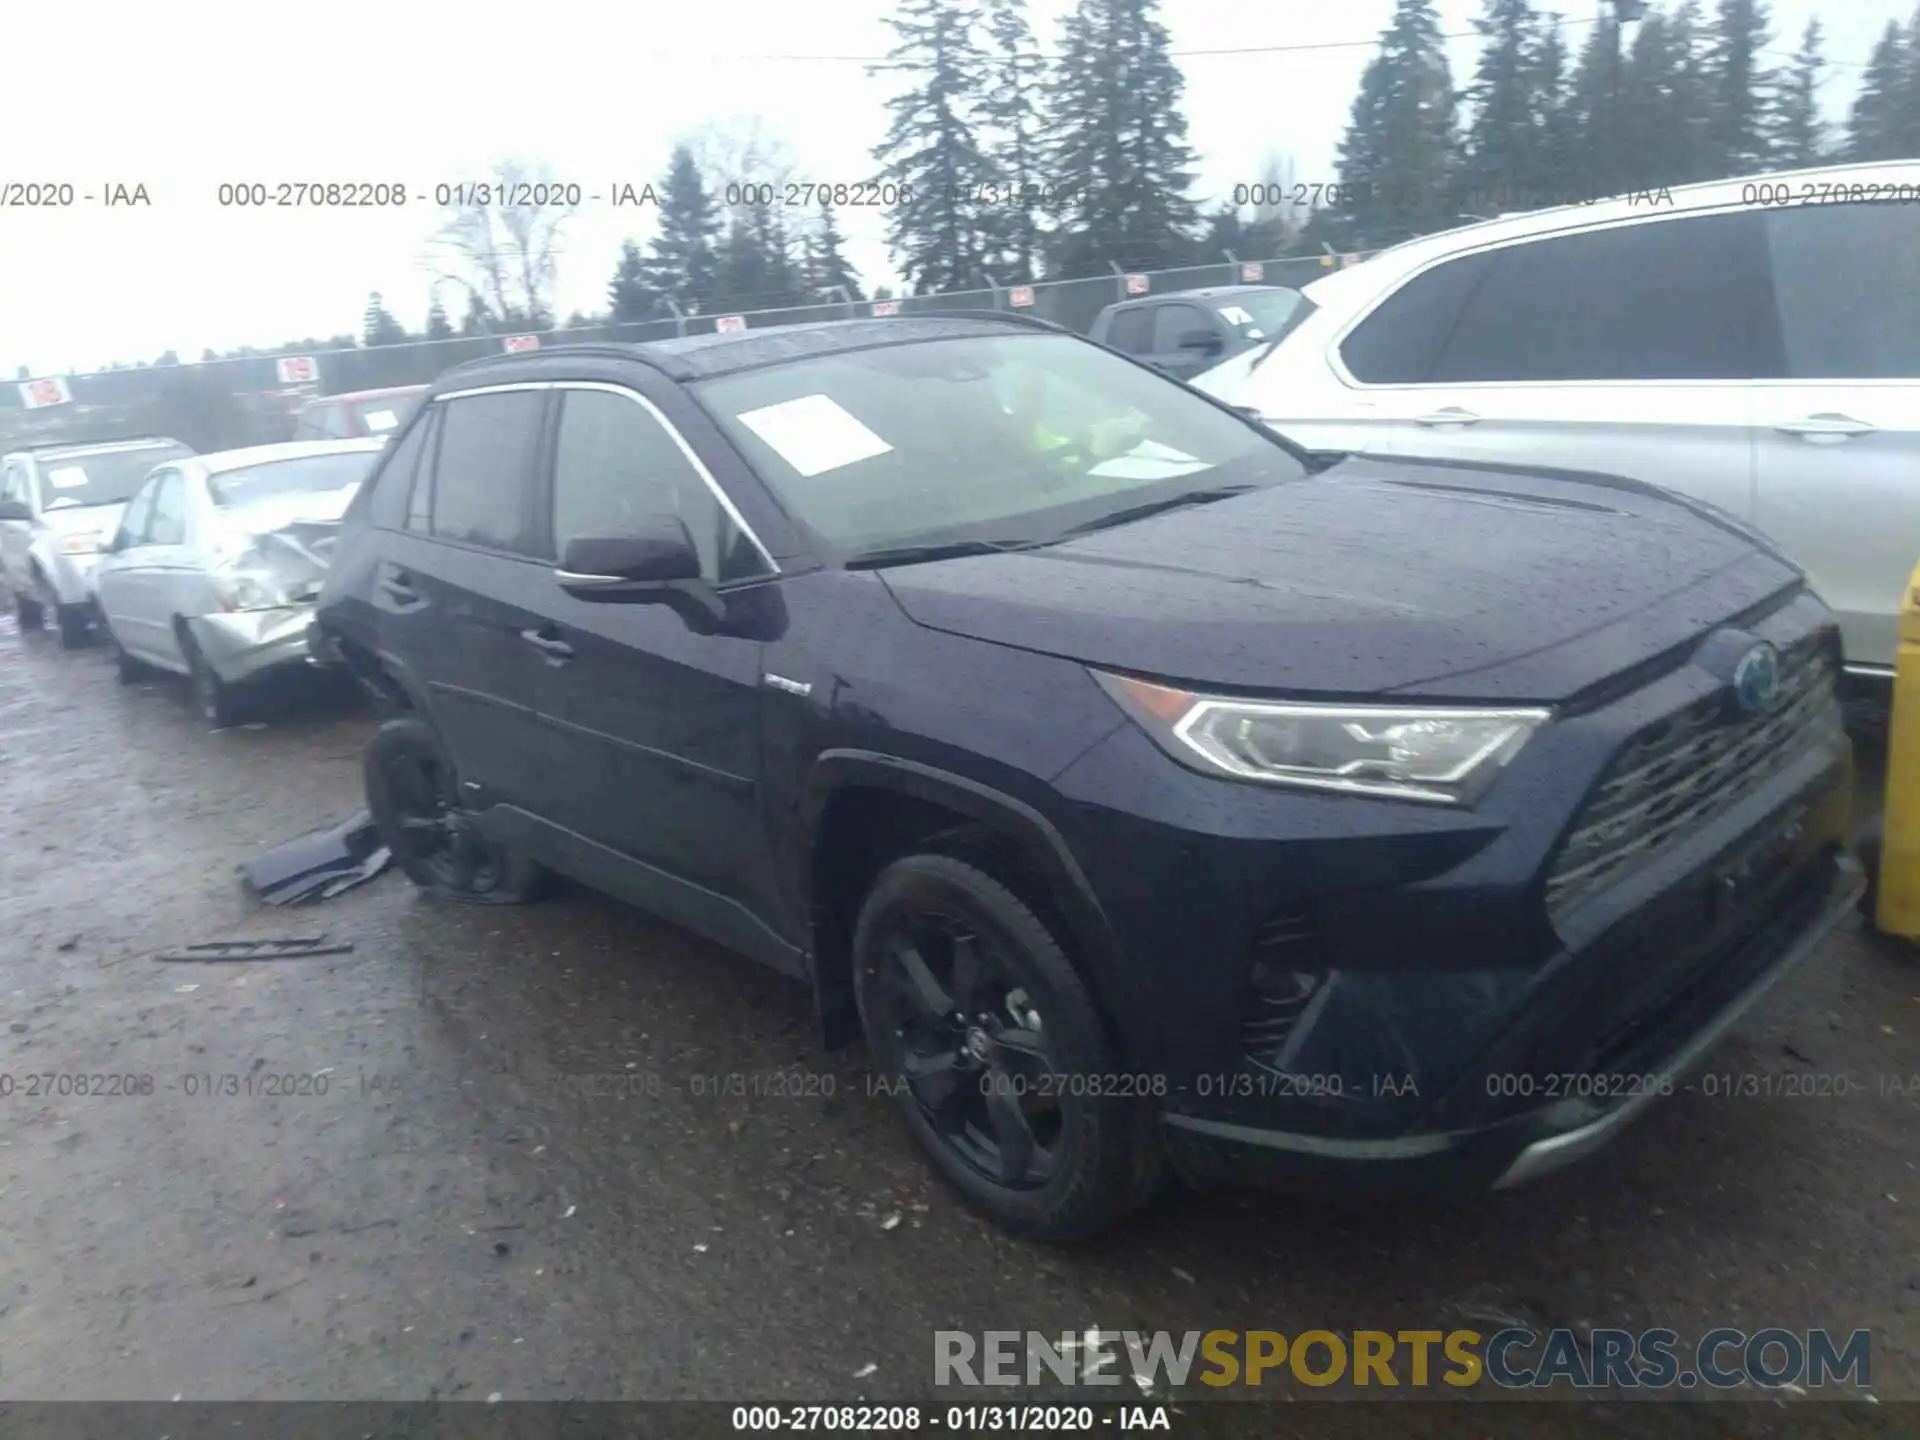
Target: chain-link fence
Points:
(222, 404)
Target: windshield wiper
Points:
(1156, 507)
(918, 554)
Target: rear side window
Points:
(1397, 343)
(168, 523)
(615, 467)
(483, 474)
(1131, 330)
(1847, 282)
(133, 522)
(1667, 300)
(383, 500)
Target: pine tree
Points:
(1742, 89)
(932, 151)
(1010, 113)
(1557, 147)
(1118, 141)
(1502, 141)
(1602, 163)
(684, 264)
(1663, 104)
(827, 267)
(377, 325)
(1396, 157)
(1799, 135)
(478, 320)
(757, 270)
(1906, 125)
(438, 326)
(629, 296)
(1873, 127)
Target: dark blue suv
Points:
(1153, 796)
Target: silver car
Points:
(217, 562)
(58, 506)
(1752, 343)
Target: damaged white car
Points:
(218, 559)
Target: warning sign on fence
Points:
(886, 307)
(37, 394)
(298, 370)
(727, 323)
(1020, 295)
(1251, 271)
(521, 342)
(1137, 284)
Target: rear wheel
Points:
(413, 797)
(991, 1045)
(28, 612)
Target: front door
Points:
(658, 723)
(1837, 445)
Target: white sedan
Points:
(218, 559)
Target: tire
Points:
(1089, 1157)
(75, 626)
(28, 612)
(219, 704)
(125, 667)
(410, 781)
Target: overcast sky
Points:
(182, 97)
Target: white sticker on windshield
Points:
(814, 434)
(378, 419)
(1236, 315)
(67, 477)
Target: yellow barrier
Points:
(1897, 911)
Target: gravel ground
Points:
(459, 1216)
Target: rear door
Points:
(161, 572)
(455, 591)
(1838, 440)
(1627, 350)
(16, 535)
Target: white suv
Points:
(1753, 343)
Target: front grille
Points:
(1286, 973)
(1682, 772)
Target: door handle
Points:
(1827, 426)
(548, 644)
(1452, 415)
(399, 586)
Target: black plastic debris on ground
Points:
(320, 865)
(290, 947)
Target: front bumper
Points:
(242, 644)
(1524, 1148)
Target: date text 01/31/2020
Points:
(962, 1419)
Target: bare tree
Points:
(506, 252)
(1280, 213)
(744, 150)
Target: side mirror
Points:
(15, 510)
(1205, 341)
(655, 554)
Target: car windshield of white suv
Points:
(305, 475)
(993, 441)
(72, 479)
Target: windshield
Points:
(1263, 314)
(387, 413)
(1017, 438)
(104, 477)
(307, 474)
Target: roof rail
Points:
(1008, 317)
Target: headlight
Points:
(87, 543)
(1407, 752)
(248, 590)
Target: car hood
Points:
(1449, 581)
(83, 519)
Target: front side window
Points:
(616, 467)
(133, 521)
(1016, 437)
(385, 497)
(1847, 282)
(1397, 342)
(1684, 299)
(484, 472)
(1173, 323)
(168, 523)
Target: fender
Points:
(1116, 982)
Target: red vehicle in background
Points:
(356, 414)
